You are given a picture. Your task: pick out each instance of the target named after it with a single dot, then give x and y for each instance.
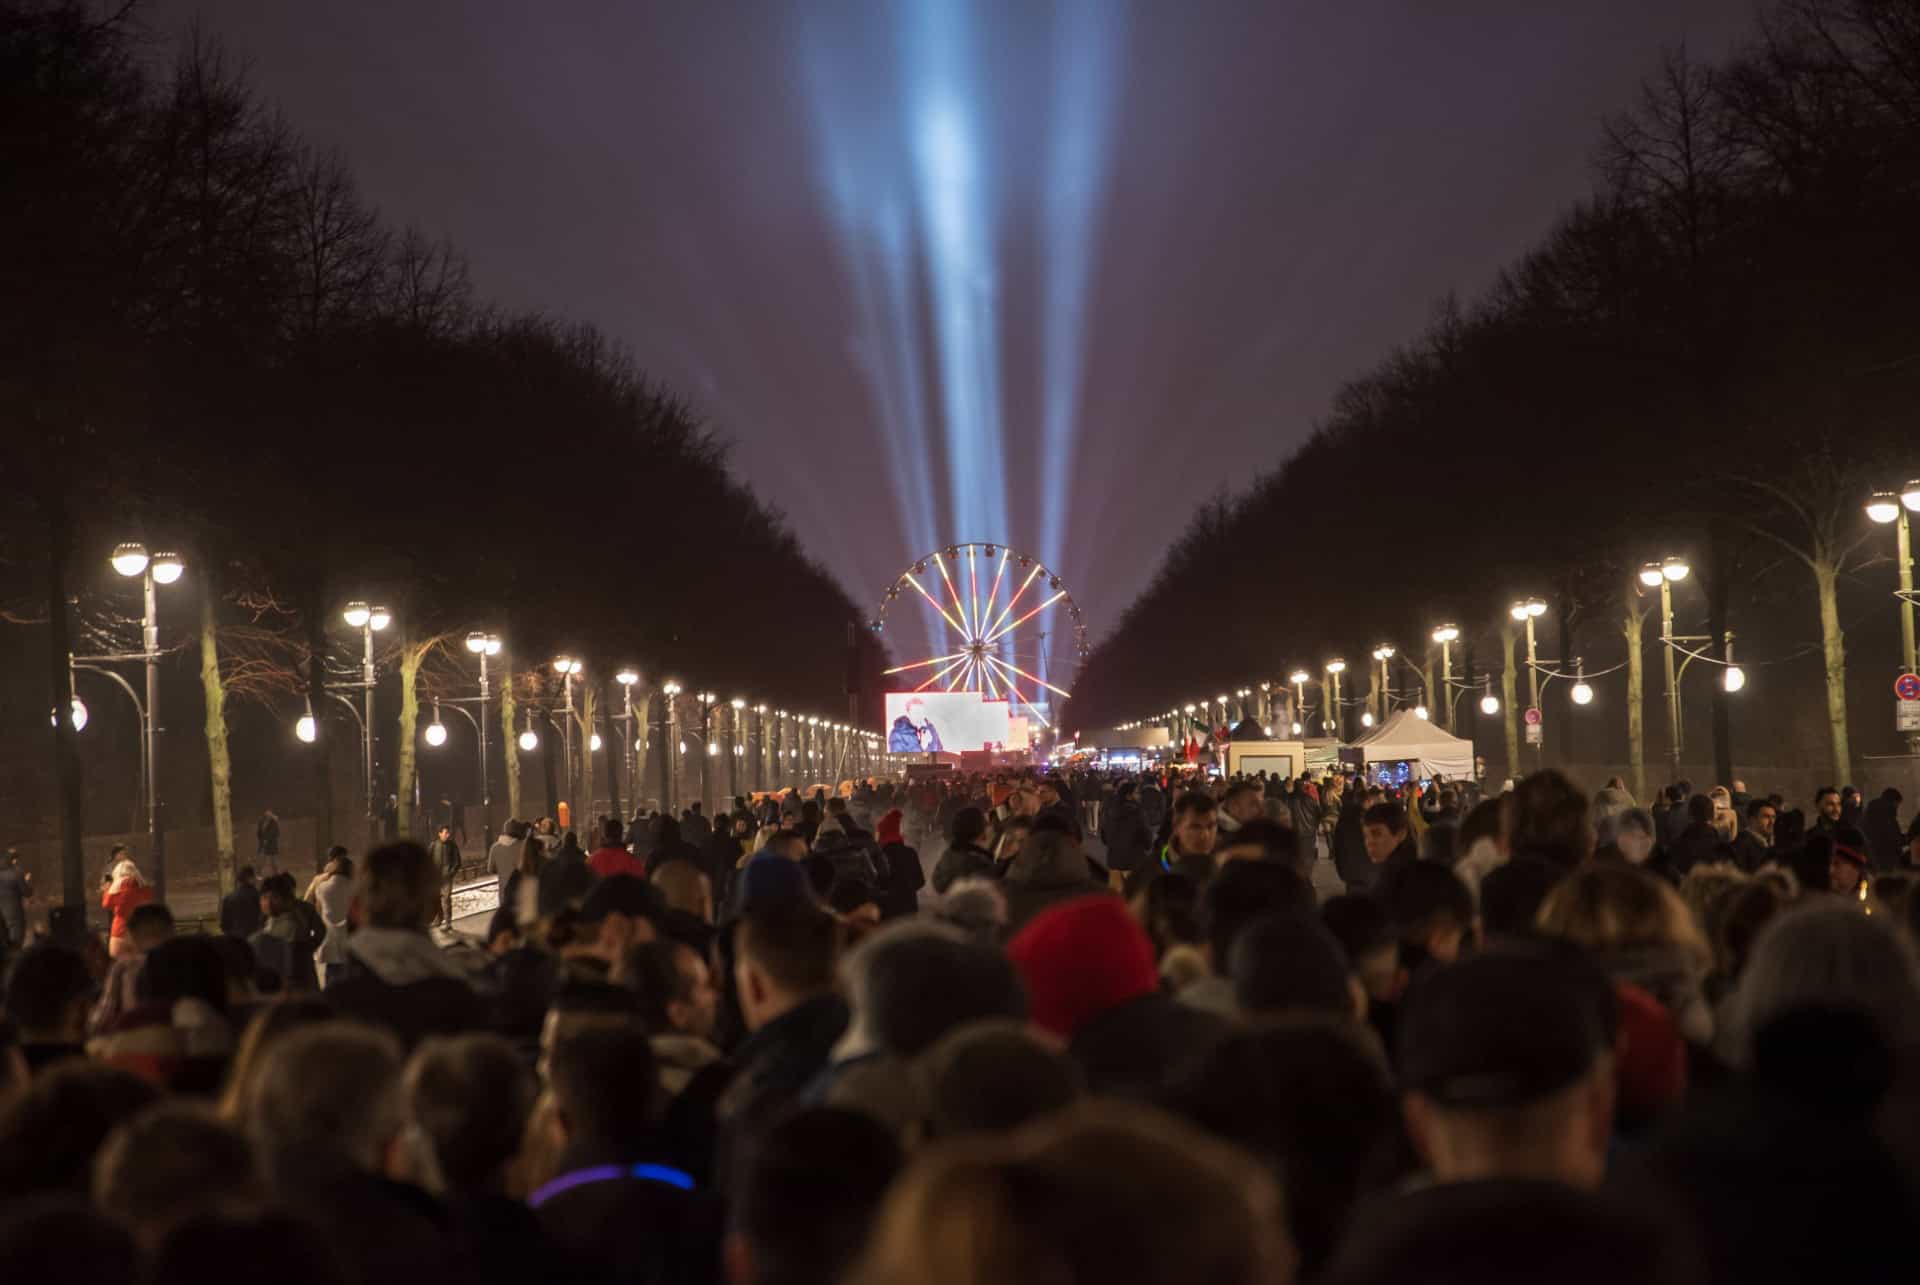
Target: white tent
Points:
(1407, 738)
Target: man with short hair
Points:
(680, 1004)
(446, 857)
(619, 1201)
(396, 977)
(1196, 828)
(611, 857)
(1241, 892)
(147, 926)
(1754, 846)
(1389, 843)
(1243, 803)
(240, 909)
(966, 853)
(784, 972)
(47, 998)
(1431, 912)
(620, 912)
(1506, 1069)
(1826, 808)
(503, 858)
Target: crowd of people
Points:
(1086, 1027)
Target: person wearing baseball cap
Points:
(1506, 1068)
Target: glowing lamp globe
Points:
(306, 729)
(1489, 705)
(529, 740)
(1883, 507)
(1734, 679)
(129, 559)
(167, 568)
(1582, 694)
(436, 734)
(593, 742)
(1651, 575)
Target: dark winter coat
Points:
(961, 861)
(1123, 828)
(1035, 883)
(1350, 846)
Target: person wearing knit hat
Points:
(1091, 980)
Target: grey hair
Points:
(1829, 954)
(977, 906)
(1608, 826)
(328, 1099)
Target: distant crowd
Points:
(1022, 1027)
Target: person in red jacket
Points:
(122, 891)
(611, 857)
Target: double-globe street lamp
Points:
(484, 646)
(1889, 507)
(1664, 575)
(130, 560)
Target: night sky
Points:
(1041, 274)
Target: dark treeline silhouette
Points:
(1715, 353)
(210, 341)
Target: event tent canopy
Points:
(1407, 738)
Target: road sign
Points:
(1532, 716)
(1906, 716)
(1535, 734)
(1907, 687)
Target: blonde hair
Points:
(1609, 907)
(1061, 1202)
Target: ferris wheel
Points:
(985, 641)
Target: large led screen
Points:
(944, 722)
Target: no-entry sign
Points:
(1907, 687)
(1533, 711)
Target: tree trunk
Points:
(510, 744)
(407, 761)
(219, 757)
(1509, 700)
(583, 779)
(1833, 643)
(66, 755)
(322, 747)
(643, 742)
(619, 748)
(1632, 627)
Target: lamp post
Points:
(1381, 655)
(132, 560)
(1527, 612)
(1335, 668)
(707, 749)
(739, 707)
(627, 678)
(369, 621)
(1299, 679)
(567, 667)
(485, 646)
(1446, 636)
(1664, 575)
(758, 741)
(1885, 507)
(669, 746)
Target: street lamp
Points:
(131, 559)
(1446, 635)
(1382, 654)
(1883, 508)
(1733, 678)
(1582, 692)
(669, 760)
(1527, 612)
(1665, 575)
(369, 620)
(1335, 668)
(485, 646)
(304, 728)
(436, 733)
(1489, 703)
(529, 739)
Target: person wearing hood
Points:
(1881, 822)
(1124, 831)
(503, 858)
(1700, 842)
(1049, 869)
(901, 875)
(670, 844)
(849, 860)
(395, 976)
(122, 891)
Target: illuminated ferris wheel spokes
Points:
(980, 654)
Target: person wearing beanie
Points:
(901, 875)
(1091, 980)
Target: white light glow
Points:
(1734, 679)
(167, 568)
(436, 734)
(529, 740)
(129, 559)
(306, 729)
